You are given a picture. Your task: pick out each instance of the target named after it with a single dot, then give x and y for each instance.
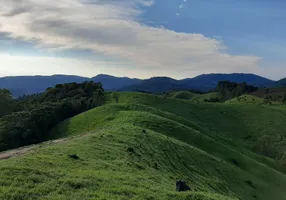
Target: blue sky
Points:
(143, 38)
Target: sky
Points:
(143, 38)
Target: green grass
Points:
(208, 145)
(252, 100)
(203, 97)
(182, 95)
(185, 95)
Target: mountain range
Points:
(25, 85)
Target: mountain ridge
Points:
(25, 85)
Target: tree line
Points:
(229, 90)
(29, 119)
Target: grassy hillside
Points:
(205, 97)
(138, 148)
(247, 99)
(185, 95)
(277, 94)
(182, 95)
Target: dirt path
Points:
(24, 150)
(27, 149)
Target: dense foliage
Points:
(272, 94)
(229, 90)
(6, 102)
(30, 118)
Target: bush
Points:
(212, 99)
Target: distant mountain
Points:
(23, 85)
(209, 81)
(281, 82)
(115, 83)
(156, 84)
(203, 82)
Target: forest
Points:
(28, 119)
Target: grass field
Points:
(185, 95)
(138, 148)
(182, 95)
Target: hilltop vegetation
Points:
(224, 91)
(137, 145)
(272, 94)
(28, 120)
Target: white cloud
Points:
(148, 3)
(29, 65)
(111, 27)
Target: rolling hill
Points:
(138, 148)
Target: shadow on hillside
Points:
(60, 130)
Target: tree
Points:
(6, 102)
(35, 115)
(115, 96)
(229, 90)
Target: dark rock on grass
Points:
(144, 131)
(74, 156)
(155, 166)
(234, 161)
(247, 137)
(130, 150)
(181, 186)
(250, 183)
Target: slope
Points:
(182, 95)
(136, 149)
(272, 94)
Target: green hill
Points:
(185, 95)
(206, 97)
(247, 99)
(277, 94)
(182, 95)
(138, 148)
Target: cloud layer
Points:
(111, 27)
